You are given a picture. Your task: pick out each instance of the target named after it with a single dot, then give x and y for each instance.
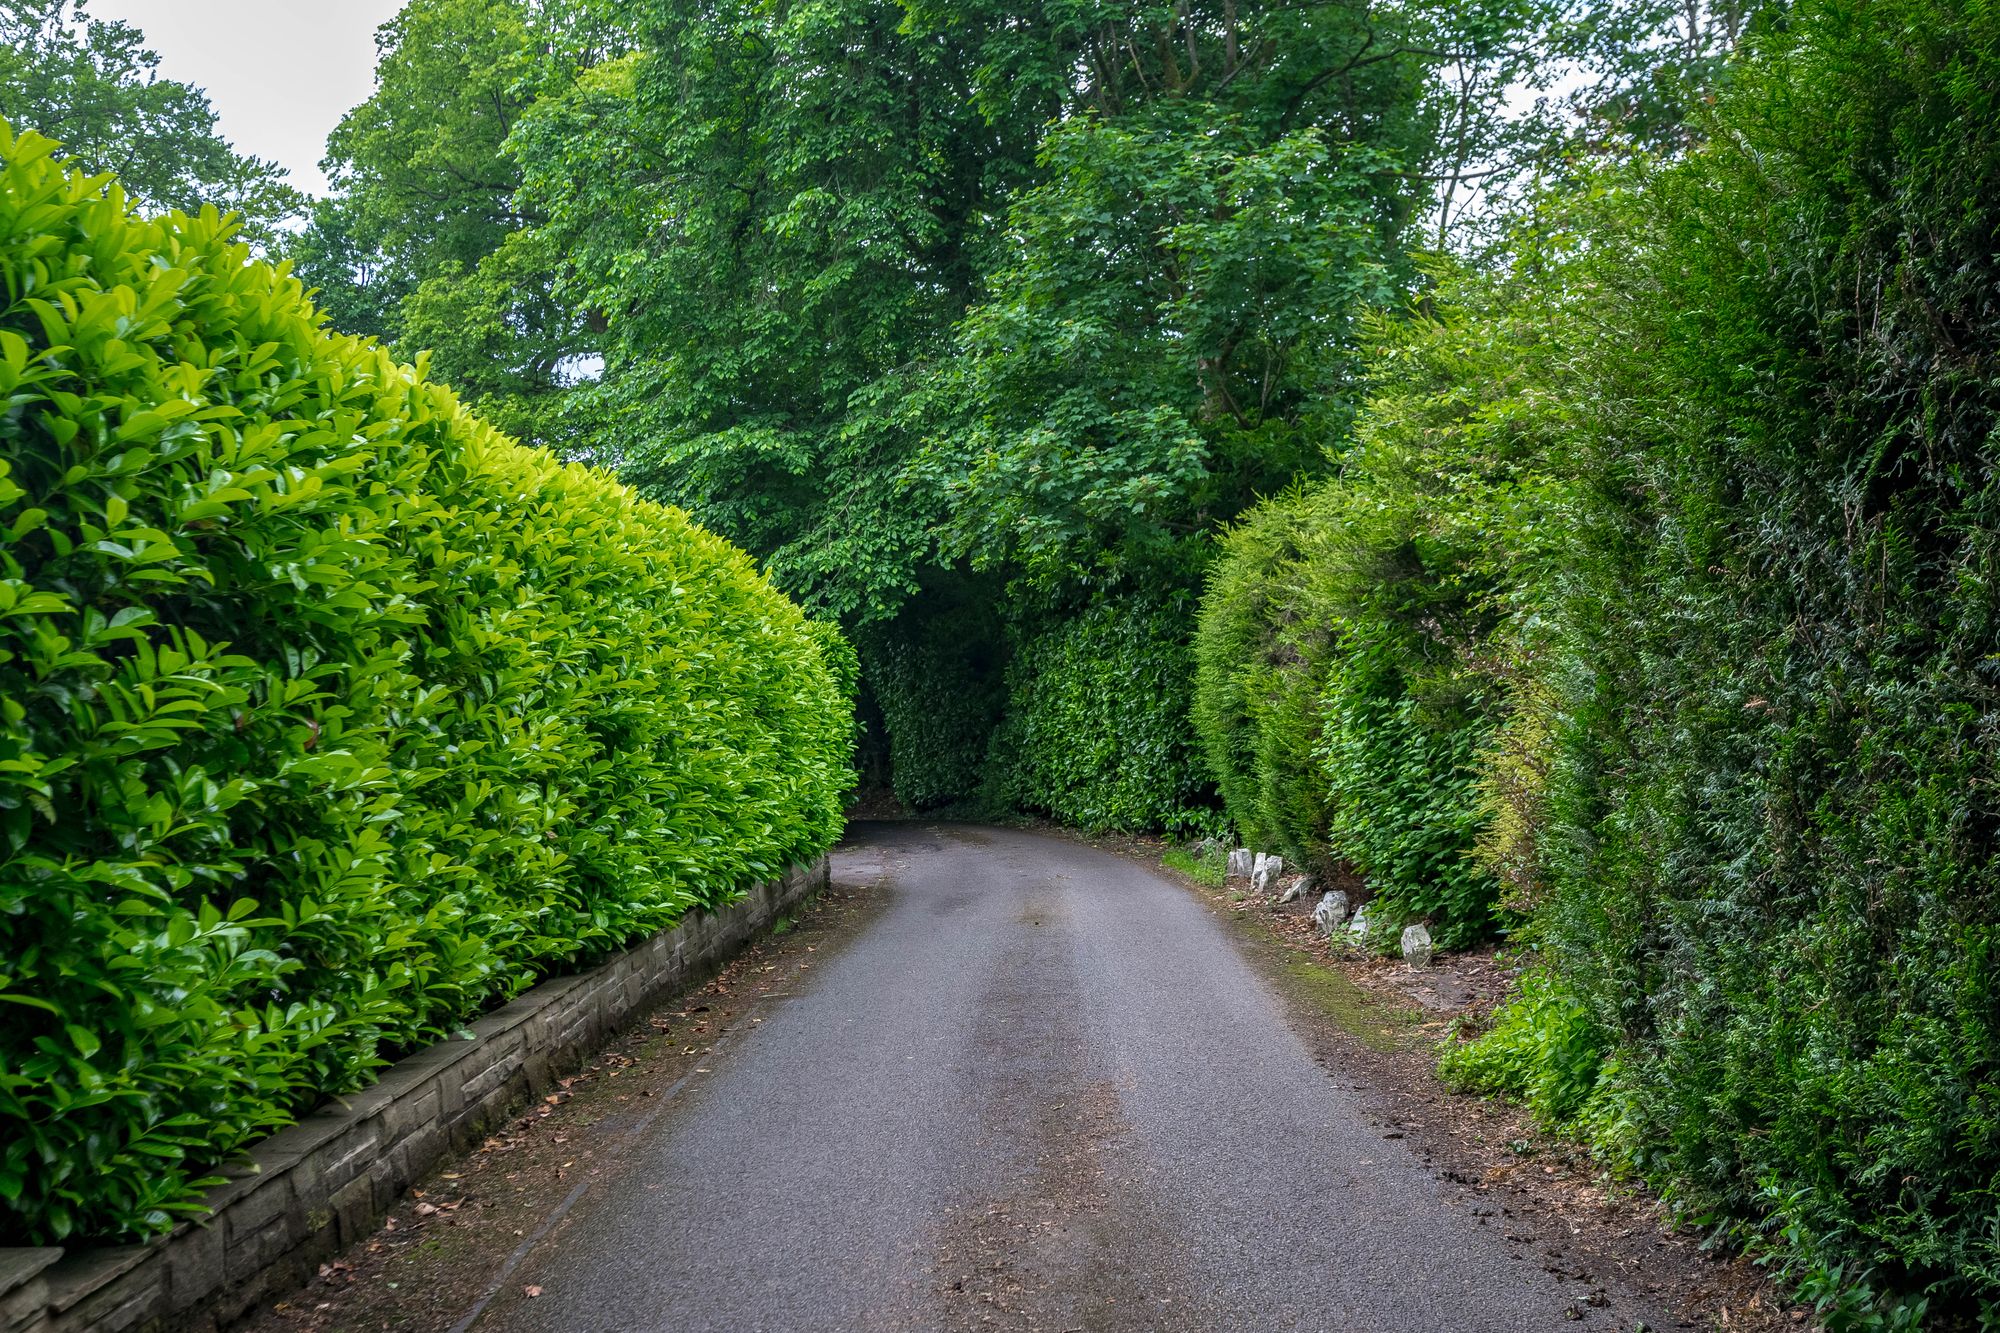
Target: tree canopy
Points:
(93, 86)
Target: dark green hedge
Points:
(1357, 636)
(327, 716)
(1772, 837)
(1745, 770)
(1097, 731)
(1258, 662)
(937, 674)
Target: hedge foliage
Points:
(938, 680)
(327, 715)
(1353, 655)
(1769, 831)
(994, 706)
(1097, 730)
(1255, 704)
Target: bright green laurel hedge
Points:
(330, 715)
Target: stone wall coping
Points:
(86, 1271)
(18, 1267)
(309, 1191)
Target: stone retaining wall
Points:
(307, 1193)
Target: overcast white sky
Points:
(280, 73)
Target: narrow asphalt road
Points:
(1041, 1089)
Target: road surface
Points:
(1041, 1089)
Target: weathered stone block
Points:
(24, 1287)
(407, 1114)
(413, 1156)
(195, 1266)
(353, 1206)
(344, 1158)
(136, 1292)
(249, 1245)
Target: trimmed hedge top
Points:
(328, 716)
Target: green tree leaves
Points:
(92, 85)
(781, 213)
(1180, 303)
(426, 241)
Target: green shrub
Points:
(1258, 662)
(1403, 701)
(1357, 636)
(938, 716)
(1403, 792)
(1097, 731)
(327, 716)
(1767, 834)
(1513, 773)
(1207, 865)
(1543, 1050)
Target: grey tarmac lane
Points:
(1041, 1090)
